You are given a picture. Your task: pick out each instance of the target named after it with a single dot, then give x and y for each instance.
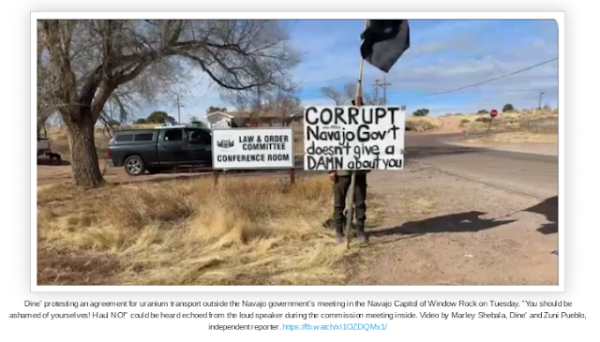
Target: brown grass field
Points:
(423, 124)
(513, 121)
(246, 231)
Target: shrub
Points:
(508, 108)
(421, 112)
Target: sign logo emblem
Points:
(225, 143)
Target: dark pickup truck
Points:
(156, 149)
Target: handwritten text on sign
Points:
(349, 138)
(256, 148)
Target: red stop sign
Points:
(494, 113)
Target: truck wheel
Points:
(134, 166)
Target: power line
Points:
(337, 79)
(482, 93)
(495, 78)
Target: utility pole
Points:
(385, 85)
(376, 91)
(540, 103)
(178, 111)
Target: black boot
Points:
(363, 238)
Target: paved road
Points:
(534, 175)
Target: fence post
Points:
(490, 126)
(292, 176)
(215, 177)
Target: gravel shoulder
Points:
(444, 230)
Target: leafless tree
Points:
(212, 109)
(350, 90)
(348, 94)
(333, 94)
(253, 101)
(92, 62)
(285, 105)
(239, 100)
(369, 100)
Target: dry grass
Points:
(422, 124)
(516, 137)
(504, 121)
(246, 231)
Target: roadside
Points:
(454, 216)
(428, 228)
(520, 142)
(434, 236)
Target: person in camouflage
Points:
(341, 183)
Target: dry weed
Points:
(422, 124)
(513, 121)
(245, 231)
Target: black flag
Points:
(384, 41)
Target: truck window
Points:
(174, 135)
(200, 135)
(124, 137)
(144, 137)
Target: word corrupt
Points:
(347, 138)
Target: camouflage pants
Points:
(340, 190)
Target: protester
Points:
(341, 183)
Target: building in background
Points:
(247, 119)
(219, 119)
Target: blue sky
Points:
(444, 55)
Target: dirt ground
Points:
(50, 173)
(449, 125)
(432, 236)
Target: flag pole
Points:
(350, 196)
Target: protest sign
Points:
(352, 138)
(253, 148)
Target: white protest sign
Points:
(347, 138)
(252, 148)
